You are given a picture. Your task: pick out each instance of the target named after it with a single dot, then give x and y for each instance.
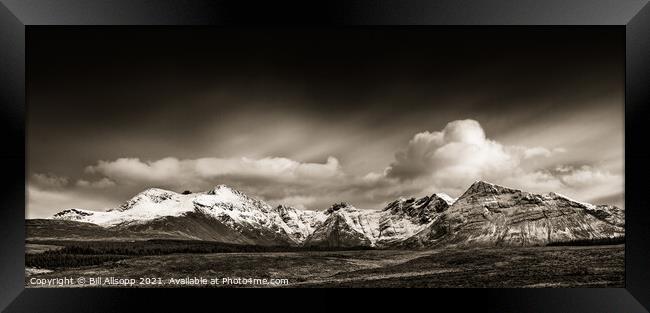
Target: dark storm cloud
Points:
(112, 111)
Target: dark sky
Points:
(313, 116)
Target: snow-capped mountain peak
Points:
(225, 191)
(229, 197)
(147, 197)
(484, 188)
(222, 206)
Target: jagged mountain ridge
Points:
(221, 214)
(486, 214)
(347, 226)
(492, 215)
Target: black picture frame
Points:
(17, 16)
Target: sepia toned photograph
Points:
(437, 157)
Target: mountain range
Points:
(485, 215)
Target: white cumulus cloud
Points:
(453, 157)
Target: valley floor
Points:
(560, 266)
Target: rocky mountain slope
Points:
(347, 226)
(492, 215)
(486, 214)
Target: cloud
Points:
(563, 168)
(585, 176)
(49, 180)
(202, 172)
(529, 153)
(452, 157)
(447, 160)
(132, 170)
(591, 184)
(282, 168)
(102, 183)
(585, 183)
